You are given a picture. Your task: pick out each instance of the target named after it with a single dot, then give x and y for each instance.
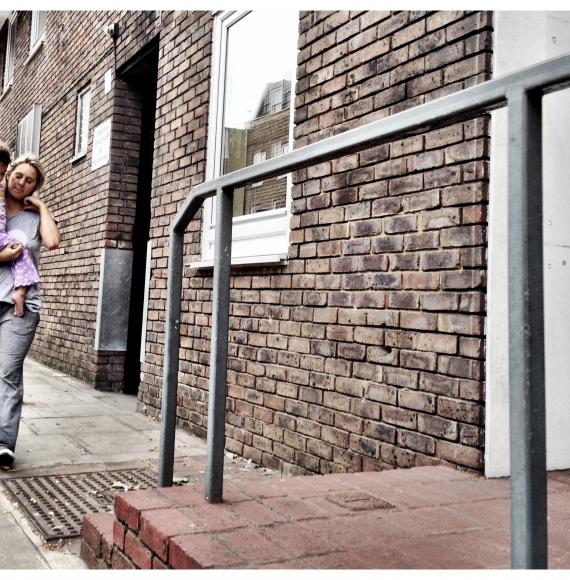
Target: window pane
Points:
(83, 106)
(9, 60)
(260, 57)
(38, 26)
(28, 133)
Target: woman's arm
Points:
(49, 231)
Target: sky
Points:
(258, 53)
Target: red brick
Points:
(128, 506)
(90, 558)
(421, 241)
(399, 417)
(140, 555)
(439, 384)
(121, 562)
(417, 442)
(95, 526)
(198, 552)
(158, 564)
(417, 401)
(461, 454)
(119, 531)
(438, 427)
(465, 411)
(159, 525)
(253, 546)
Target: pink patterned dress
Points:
(23, 270)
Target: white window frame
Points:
(10, 55)
(276, 99)
(37, 30)
(256, 238)
(82, 122)
(28, 132)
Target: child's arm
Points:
(49, 231)
(11, 252)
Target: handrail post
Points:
(171, 360)
(219, 346)
(526, 334)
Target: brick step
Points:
(334, 520)
(100, 551)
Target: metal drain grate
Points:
(57, 503)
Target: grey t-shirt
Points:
(24, 227)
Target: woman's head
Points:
(25, 175)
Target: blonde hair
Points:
(35, 163)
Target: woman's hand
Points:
(48, 228)
(11, 252)
(34, 204)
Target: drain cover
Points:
(358, 501)
(57, 503)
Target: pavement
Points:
(436, 517)
(68, 427)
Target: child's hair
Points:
(35, 163)
(5, 156)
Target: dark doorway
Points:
(140, 74)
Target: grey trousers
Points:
(16, 335)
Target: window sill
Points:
(78, 157)
(34, 50)
(248, 261)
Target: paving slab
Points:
(17, 550)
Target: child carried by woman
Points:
(23, 270)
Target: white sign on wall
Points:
(108, 78)
(101, 144)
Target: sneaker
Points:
(6, 457)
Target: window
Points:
(28, 133)
(254, 59)
(38, 30)
(10, 52)
(258, 157)
(279, 149)
(82, 122)
(276, 99)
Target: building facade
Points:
(358, 300)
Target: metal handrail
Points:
(521, 92)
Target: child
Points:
(23, 270)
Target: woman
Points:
(30, 222)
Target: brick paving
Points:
(420, 518)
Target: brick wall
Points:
(366, 350)
(93, 208)
(180, 156)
